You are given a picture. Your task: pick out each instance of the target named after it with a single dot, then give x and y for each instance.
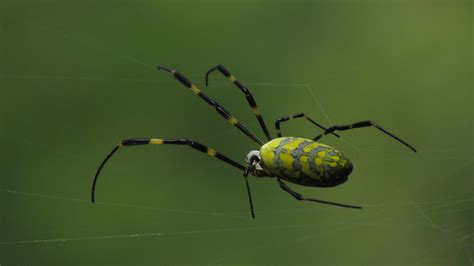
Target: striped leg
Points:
(247, 93)
(219, 108)
(298, 115)
(298, 196)
(144, 141)
(363, 124)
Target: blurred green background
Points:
(78, 76)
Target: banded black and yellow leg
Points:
(219, 108)
(298, 196)
(248, 95)
(363, 124)
(295, 116)
(145, 141)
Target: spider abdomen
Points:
(305, 162)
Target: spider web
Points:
(429, 212)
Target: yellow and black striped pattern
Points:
(193, 144)
(246, 91)
(155, 141)
(305, 162)
(219, 108)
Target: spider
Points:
(297, 160)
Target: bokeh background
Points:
(78, 76)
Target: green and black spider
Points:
(301, 161)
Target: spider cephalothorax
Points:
(301, 161)
(254, 162)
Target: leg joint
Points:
(282, 119)
(223, 70)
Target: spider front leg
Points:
(298, 196)
(145, 141)
(218, 107)
(359, 125)
(246, 91)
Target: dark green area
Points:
(78, 76)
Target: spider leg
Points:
(145, 141)
(363, 124)
(298, 196)
(246, 91)
(295, 116)
(219, 108)
(249, 168)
